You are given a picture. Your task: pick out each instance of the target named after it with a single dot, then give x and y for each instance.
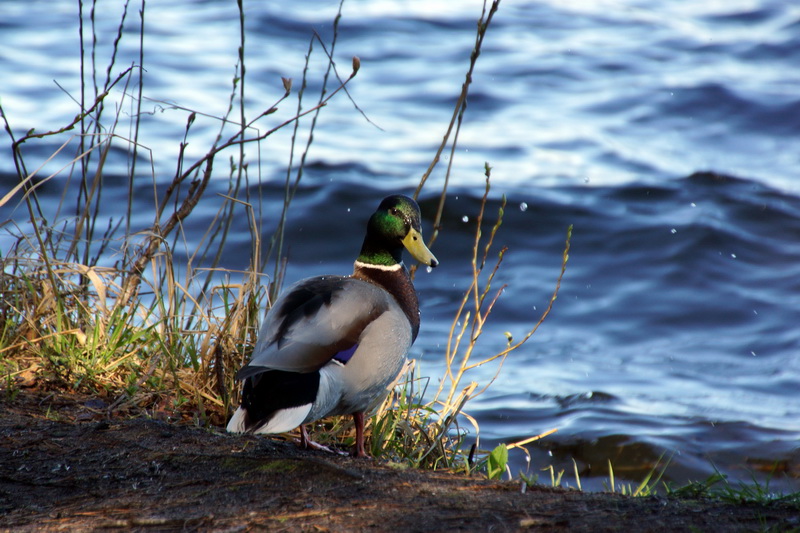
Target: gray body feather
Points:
(313, 321)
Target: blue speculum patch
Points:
(345, 355)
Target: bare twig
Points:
(458, 115)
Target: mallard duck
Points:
(332, 345)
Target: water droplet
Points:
(673, 231)
(348, 209)
(465, 218)
(733, 256)
(693, 204)
(429, 269)
(586, 179)
(754, 354)
(755, 312)
(523, 207)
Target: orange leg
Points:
(304, 440)
(359, 451)
(358, 418)
(308, 444)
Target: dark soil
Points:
(64, 466)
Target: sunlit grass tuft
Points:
(717, 487)
(648, 485)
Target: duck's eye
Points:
(394, 211)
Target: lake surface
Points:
(667, 135)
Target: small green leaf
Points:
(498, 458)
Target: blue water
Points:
(667, 135)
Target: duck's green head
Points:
(394, 226)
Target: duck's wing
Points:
(313, 321)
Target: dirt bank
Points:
(82, 471)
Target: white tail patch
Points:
(285, 420)
(281, 422)
(237, 422)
